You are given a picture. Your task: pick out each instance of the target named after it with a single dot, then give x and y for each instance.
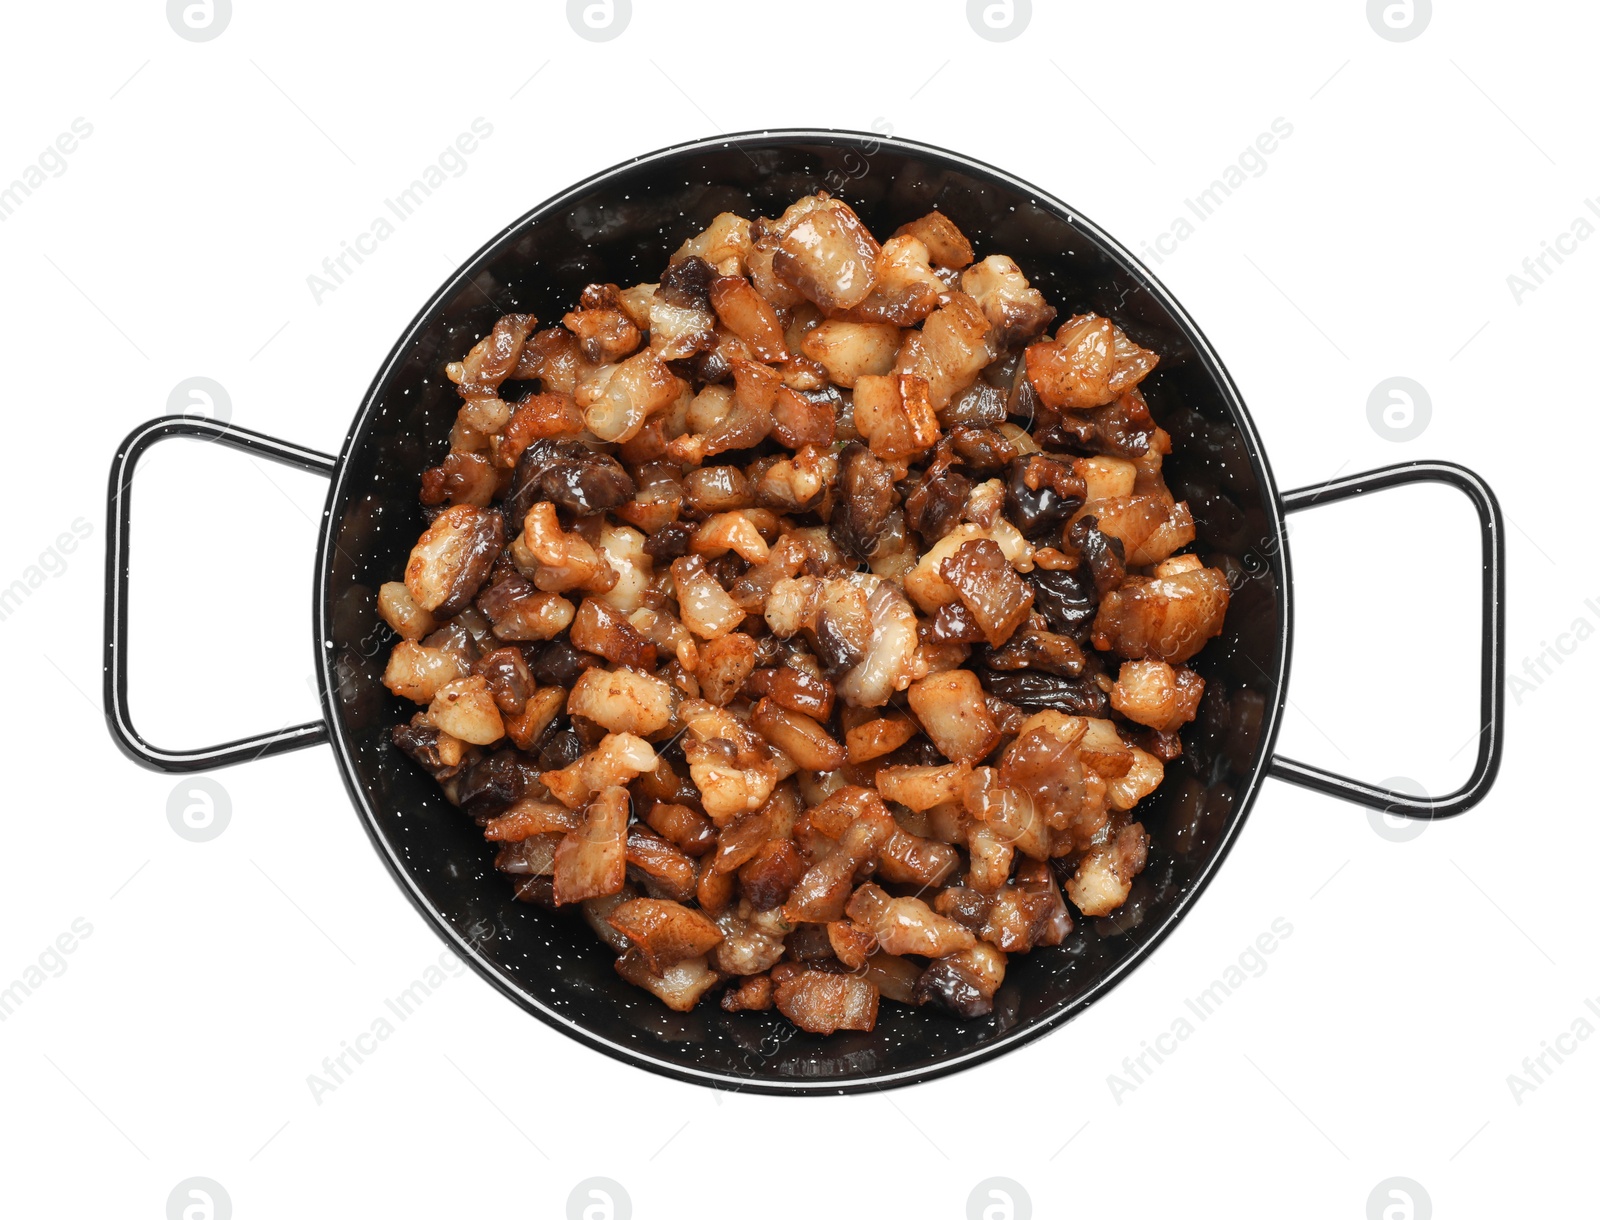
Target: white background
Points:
(177, 243)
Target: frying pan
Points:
(620, 226)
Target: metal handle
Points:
(118, 513)
(1491, 736)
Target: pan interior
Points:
(620, 227)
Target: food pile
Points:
(809, 619)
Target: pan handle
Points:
(118, 513)
(1491, 736)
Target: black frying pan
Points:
(620, 226)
